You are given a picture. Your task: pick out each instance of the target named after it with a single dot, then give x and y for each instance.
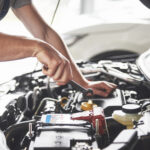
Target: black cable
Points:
(14, 128)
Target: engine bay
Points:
(40, 115)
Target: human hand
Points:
(55, 64)
(101, 88)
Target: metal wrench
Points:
(78, 87)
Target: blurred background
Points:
(70, 12)
(87, 26)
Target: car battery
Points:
(59, 131)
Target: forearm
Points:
(54, 39)
(15, 47)
(61, 70)
(39, 29)
(56, 65)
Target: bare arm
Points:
(35, 24)
(15, 47)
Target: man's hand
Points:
(55, 64)
(101, 88)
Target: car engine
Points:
(37, 114)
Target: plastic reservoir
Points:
(128, 114)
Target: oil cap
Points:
(88, 105)
(131, 108)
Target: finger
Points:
(107, 88)
(59, 71)
(103, 87)
(110, 87)
(48, 72)
(66, 76)
(114, 85)
(100, 93)
(60, 83)
(44, 70)
(52, 68)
